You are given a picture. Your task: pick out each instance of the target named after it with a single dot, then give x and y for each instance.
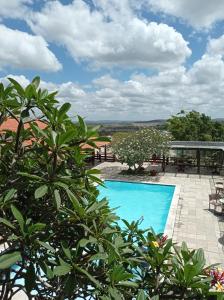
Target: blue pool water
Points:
(136, 200)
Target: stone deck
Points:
(194, 223)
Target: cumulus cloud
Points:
(25, 51)
(159, 96)
(210, 68)
(198, 13)
(143, 97)
(111, 34)
(216, 46)
(146, 97)
(14, 8)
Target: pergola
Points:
(200, 148)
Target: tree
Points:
(194, 126)
(61, 241)
(138, 147)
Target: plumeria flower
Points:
(155, 244)
(219, 287)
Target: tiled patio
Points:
(194, 223)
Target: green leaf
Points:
(82, 125)
(30, 176)
(10, 194)
(63, 110)
(66, 137)
(66, 250)
(96, 282)
(96, 206)
(199, 258)
(47, 246)
(36, 227)
(83, 243)
(141, 295)
(61, 184)
(7, 260)
(62, 270)
(18, 217)
(75, 202)
(115, 293)
(7, 223)
(41, 191)
(127, 284)
(99, 256)
(36, 82)
(57, 198)
(119, 274)
(93, 171)
(47, 270)
(18, 87)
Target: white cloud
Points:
(198, 13)
(216, 46)
(14, 8)
(109, 35)
(210, 68)
(22, 50)
(150, 97)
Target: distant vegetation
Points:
(194, 126)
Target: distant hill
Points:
(108, 127)
(221, 120)
(147, 122)
(118, 122)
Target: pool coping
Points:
(171, 218)
(170, 221)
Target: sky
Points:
(118, 59)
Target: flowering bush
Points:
(139, 146)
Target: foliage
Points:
(138, 147)
(194, 126)
(119, 136)
(60, 241)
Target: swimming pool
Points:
(135, 200)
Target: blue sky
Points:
(118, 60)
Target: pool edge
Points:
(171, 217)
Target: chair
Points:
(219, 187)
(214, 201)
